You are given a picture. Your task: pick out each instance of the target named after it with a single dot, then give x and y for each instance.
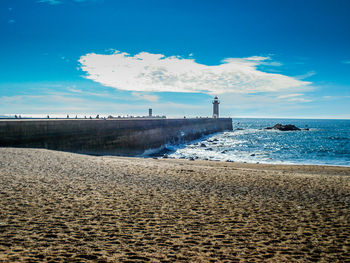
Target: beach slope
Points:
(59, 207)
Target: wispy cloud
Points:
(137, 95)
(306, 75)
(297, 97)
(50, 2)
(60, 104)
(272, 63)
(151, 98)
(65, 59)
(11, 21)
(288, 96)
(346, 62)
(57, 2)
(332, 97)
(157, 73)
(74, 89)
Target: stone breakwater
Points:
(106, 137)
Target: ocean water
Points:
(327, 142)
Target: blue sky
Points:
(262, 58)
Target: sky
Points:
(271, 58)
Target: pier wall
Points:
(124, 137)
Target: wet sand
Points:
(64, 207)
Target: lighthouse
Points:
(216, 103)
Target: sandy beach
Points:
(64, 207)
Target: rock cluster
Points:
(280, 127)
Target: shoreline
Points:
(150, 152)
(58, 206)
(256, 163)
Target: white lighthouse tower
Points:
(216, 103)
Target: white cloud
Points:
(64, 59)
(56, 2)
(151, 98)
(61, 104)
(148, 72)
(92, 1)
(328, 97)
(273, 63)
(297, 97)
(335, 97)
(257, 58)
(74, 89)
(11, 21)
(346, 62)
(290, 96)
(50, 2)
(306, 75)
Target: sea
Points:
(320, 142)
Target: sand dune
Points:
(64, 207)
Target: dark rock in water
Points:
(165, 156)
(215, 140)
(224, 151)
(209, 149)
(229, 161)
(280, 127)
(155, 158)
(253, 154)
(191, 159)
(203, 145)
(239, 129)
(161, 153)
(306, 129)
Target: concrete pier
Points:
(124, 137)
